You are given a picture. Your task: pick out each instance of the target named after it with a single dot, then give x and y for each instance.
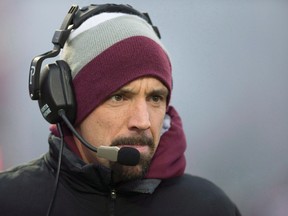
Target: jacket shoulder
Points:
(23, 173)
(24, 186)
(197, 194)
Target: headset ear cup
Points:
(56, 92)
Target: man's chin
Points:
(130, 173)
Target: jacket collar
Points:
(90, 178)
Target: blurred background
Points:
(230, 65)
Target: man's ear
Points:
(166, 123)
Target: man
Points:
(122, 83)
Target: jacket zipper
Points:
(113, 196)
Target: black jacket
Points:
(87, 190)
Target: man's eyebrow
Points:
(129, 91)
(163, 92)
(124, 91)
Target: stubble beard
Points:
(123, 173)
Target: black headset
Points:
(53, 86)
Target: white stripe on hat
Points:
(93, 21)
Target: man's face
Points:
(133, 117)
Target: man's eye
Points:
(117, 97)
(156, 98)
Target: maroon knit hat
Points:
(107, 52)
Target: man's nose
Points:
(139, 117)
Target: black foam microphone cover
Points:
(128, 156)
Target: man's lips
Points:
(140, 148)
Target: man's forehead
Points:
(151, 83)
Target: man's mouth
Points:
(143, 144)
(140, 148)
